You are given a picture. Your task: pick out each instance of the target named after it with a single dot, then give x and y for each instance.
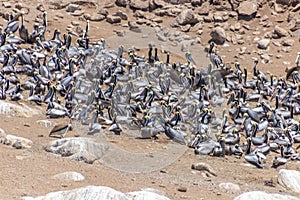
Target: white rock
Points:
(86, 193)
(99, 193)
(259, 195)
(45, 123)
(263, 43)
(15, 141)
(20, 110)
(229, 188)
(2, 132)
(80, 149)
(290, 179)
(145, 195)
(69, 176)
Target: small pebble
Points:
(182, 189)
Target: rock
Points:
(279, 9)
(103, 12)
(121, 33)
(296, 8)
(45, 123)
(97, 17)
(157, 19)
(20, 110)
(259, 195)
(284, 2)
(57, 5)
(208, 18)
(296, 33)
(247, 9)
(15, 141)
(263, 43)
(196, 2)
(229, 188)
(185, 45)
(281, 32)
(122, 3)
(79, 149)
(79, 30)
(218, 18)
(289, 179)
(148, 132)
(287, 42)
(204, 167)
(121, 14)
(19, 6)
(88, 192)
(113, 19)
(100, 193)
(139, 4)
(59, 15)
(69, 176)
(77, 13)
(186, 17)
(159, 3)
(186, 28)
(265, 58)
(218, 35)
(133, 26)
(296, 26)
(75, 23)
(237, 26)
(72, 7)
(182, 189)
(160, 12)
(160, 37)
(6, 5)
(145, 195)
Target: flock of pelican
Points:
(217, 110)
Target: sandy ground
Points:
(28, 172)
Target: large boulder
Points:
(99, 193)
(80, 149)
(15, 141)
(20, 110)
(289, 179)
(145, 195)
(259, 195)
(86, 193)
